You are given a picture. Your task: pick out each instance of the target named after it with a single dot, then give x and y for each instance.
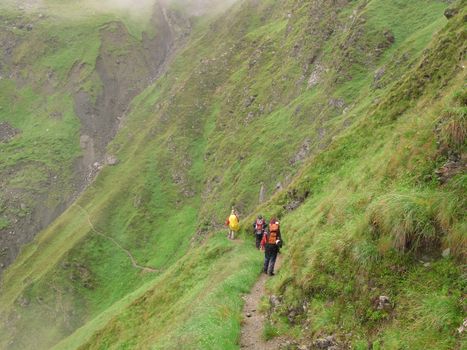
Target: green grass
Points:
(196, 302)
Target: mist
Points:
(67, 8)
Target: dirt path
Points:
(126, 251)
(252, 328)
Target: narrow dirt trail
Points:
(134, 263)
(252, 328)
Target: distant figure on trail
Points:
(259, 228)
(233, 224)
(271, 243)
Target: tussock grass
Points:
(269, 331)
(408, 218)
(453, 128)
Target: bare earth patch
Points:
(253, 322)
(7, 132)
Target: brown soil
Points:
(253, 322)
(7, 132)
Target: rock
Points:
(274, 301)
(291, 316)
(386, 42)
(315, 77)
(377, 77)
(29, 27)
(463, 327)
(248, 314)
(302, 152)
(382, 303)
(23, 301)
(111, 160)
(336, 103)
(249, 117)
(450, 169)
(446, 252)
(389, 37)
(291, 206)
(278, 186)
(450, 12)
(325, 343)
(249, 101)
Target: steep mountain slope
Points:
(341, 114)
(66, 82)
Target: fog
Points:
(127, 5)
(131, 7)
(193, 7)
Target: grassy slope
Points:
(36, 97)
(190, 137)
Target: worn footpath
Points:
(253, 322)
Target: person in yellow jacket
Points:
(233, 224)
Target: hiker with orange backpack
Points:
(233, 224)
(259, 228)
(271, 243)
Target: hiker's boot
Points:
(271, 273)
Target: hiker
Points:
(259, 228)
(271, 243)
(232, 223)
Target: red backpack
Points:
(259, 225)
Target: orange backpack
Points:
(272, 237)
(274, 227)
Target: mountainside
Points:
(127, 137)
(67, 82)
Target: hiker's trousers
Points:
(270, 255)
(258, 237)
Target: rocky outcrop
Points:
(124, 67)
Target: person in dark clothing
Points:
(259, 228)
(271, 243)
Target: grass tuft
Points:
(408, 218)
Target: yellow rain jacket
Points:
(233, 223)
